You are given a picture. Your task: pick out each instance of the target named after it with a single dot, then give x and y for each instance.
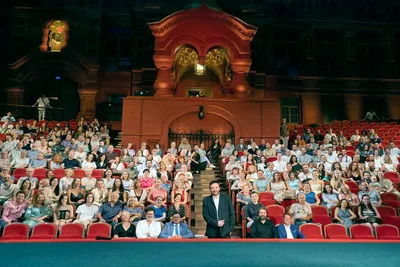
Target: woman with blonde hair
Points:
(388, 165)
(67, 180)
(352, 198)
(80, 153)
(184, 145)
(100, 193)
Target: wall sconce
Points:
(201, 112)
(199, 69)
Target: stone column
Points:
(354, 106)
(164, 84)
(393, 103)
(311, 107)
(87, 97)
(239, 86)
(15, 95)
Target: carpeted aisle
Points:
(183, 254)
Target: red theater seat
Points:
(386, 231)
(18, 173)
(59, 173)
(44, 231)
(98, 174)
(312, 230)
(336, 231)
(360, 231)
(268, 202)
(266, 195)
(390, 175)
(394, 220)
(319, 210)
(322, 219)
(15, 231)
(275, 213)
(71, 231)
(386, 211)
(99, 229)
(353, 186)
(390, 199)
(40, 173)
(78, 173)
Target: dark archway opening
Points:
(62, 92)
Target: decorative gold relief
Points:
(187, 56)
(216, 57)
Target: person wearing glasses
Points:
(176, 229)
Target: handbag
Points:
(290, 194)
(374, 219)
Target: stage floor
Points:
(203, 253)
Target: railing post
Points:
(201, 136)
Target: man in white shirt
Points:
(329, 135)
(279, 164)
(148, 228)
(87, 212)
(305, 174)
(43, 102)
(295, 151)
(327, 165)
(394, 150)
(149, 167)
(331, 156)
(20, 162)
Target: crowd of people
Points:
(313, 173)
(144, 188)
(137, 184)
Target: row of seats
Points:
(18, 231)
(321, 214)
(58, 173)
(357, 231)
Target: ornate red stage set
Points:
(205, 42)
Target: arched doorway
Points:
(210, 79)
(62, 92)
(211, 127)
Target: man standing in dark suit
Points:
(287, 230)
(218, 213)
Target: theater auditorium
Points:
(244, 133)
